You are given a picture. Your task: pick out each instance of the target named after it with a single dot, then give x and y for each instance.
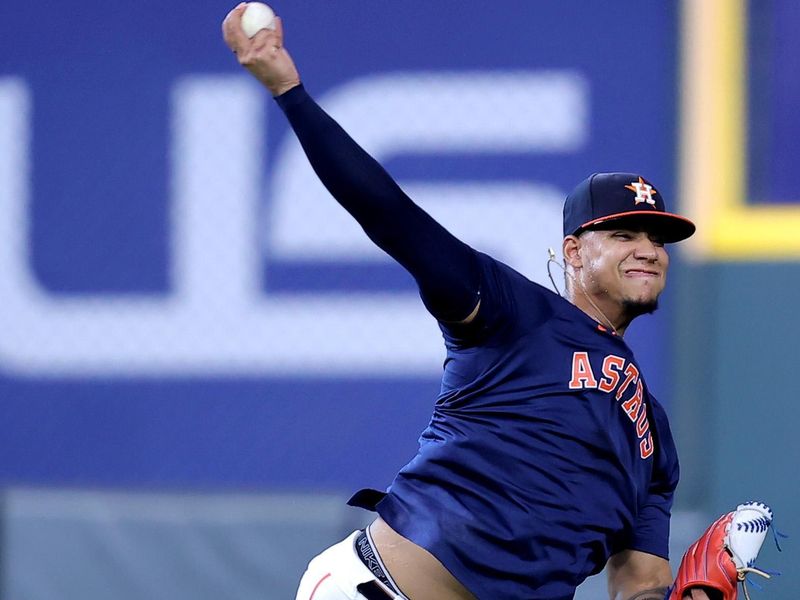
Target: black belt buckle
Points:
(371, 590)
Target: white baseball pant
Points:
(336, 573)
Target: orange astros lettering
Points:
(646, 446)
(631, 376)
(631, 407)
(582, 375)
(634, 407)
(612, 365)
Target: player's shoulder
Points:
(497, 272)
(509, 302)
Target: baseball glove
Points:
(725, 553)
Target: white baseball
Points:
(257, 16)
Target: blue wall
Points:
(94, 395)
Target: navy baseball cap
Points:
(610, 199)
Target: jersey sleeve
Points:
(444, 268)
(497, 306)
(651, 531)
(503, 292)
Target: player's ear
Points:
(572, 251)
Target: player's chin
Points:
(640, 306)
(641, 302)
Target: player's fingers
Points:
(266, 36)
(232, 30)
(267, 39)
(279, 29)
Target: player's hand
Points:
(701, 594)
(263, 54)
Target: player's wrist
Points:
(292, 97)
(279, 89)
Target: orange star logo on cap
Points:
(644, 191)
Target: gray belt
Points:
(371, 590)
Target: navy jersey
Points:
(545, 455)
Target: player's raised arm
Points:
(444, 268)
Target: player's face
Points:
(625, 267)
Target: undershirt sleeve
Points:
(445, 269)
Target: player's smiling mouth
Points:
(641, 273)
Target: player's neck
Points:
(608, 314)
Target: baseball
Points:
(257, 16)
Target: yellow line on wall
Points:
(713, 143)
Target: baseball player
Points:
(546, 458)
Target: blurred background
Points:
(201, 357)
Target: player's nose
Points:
(646, 248)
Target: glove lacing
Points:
(743, 572)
